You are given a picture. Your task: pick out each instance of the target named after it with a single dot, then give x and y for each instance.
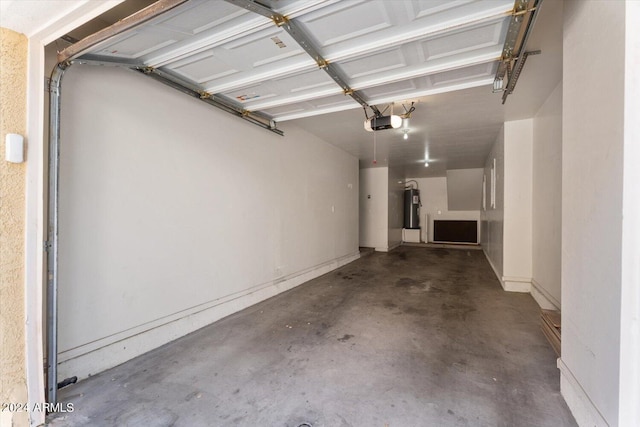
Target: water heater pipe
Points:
(409, 186)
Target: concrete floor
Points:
(415, 337)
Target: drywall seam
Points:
(115, 353)
(582, 408)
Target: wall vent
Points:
(455, 231)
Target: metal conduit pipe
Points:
(51, 245)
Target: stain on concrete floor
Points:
(414, 337)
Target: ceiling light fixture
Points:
(405, 135)
(498, 84)
(426, 164)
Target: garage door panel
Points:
(346, 20)
(423, 68)
(464, 74)
(464, 41)
(203, 15)
(389, 59)
(205, 67)
(138, 43)
(380, 48)
(309, 85)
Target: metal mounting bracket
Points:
(514, 56)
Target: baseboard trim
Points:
(493, 267)
(544, 299)
(108, 352)
(582, 408)
(510, 284)
(516, 284)
(395, 245)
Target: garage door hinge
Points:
(47, 245)
(47, 84)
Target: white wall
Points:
(629, 410)
(381, 208)
(464, 189)
(547, 201)
(492, 219)
(593, 144)
(435, 205)
(395, 188)
(374, 208)
(518, 138)
(174, 214)
(506, 227)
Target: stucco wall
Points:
(13, 76)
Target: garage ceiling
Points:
(387, 50)
(456, 129)
(391, 51)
